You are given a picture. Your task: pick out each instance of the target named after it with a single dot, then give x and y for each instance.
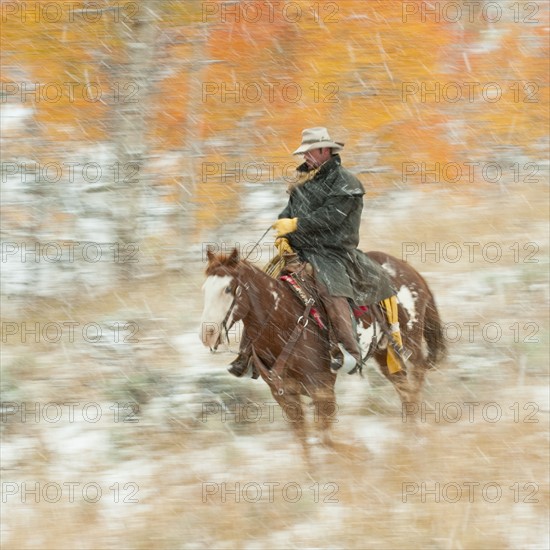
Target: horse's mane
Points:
(224, 263)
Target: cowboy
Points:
(321, 224)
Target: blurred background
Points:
(133, 134)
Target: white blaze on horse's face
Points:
(217, 301)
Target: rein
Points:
(224, 325)
(230, 310)
(276, 373)
(258, 242)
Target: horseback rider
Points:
(321, 224)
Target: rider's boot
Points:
(244, 360)
(339, 314)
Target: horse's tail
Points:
(433, 332)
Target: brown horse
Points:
(273, 316)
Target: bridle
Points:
(238, 291)
(224, 324)
(275, 375)
(224, 327)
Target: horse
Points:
(291, 352)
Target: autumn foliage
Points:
(230, 83)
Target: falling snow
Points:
(120, 428)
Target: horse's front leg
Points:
(325, 411)
(325, 414)
(293, 414)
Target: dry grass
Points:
(173, 456)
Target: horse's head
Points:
(224, 301)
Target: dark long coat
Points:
(328, 207)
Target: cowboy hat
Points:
(317, 138)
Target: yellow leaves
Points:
(242, 88)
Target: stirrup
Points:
(341, 358)
(336, 365)
(358, 367)
(403, 353)
(336, 358)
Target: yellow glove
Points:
(284, 226)
(282, 246)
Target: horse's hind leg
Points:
(419, 375)
(418, 365)
(406, 389)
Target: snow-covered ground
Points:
(142, 439)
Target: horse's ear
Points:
(233, 257)
(210, 253)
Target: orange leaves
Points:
(238, 81)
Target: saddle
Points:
(301, 277)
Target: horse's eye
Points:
(227, 289)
